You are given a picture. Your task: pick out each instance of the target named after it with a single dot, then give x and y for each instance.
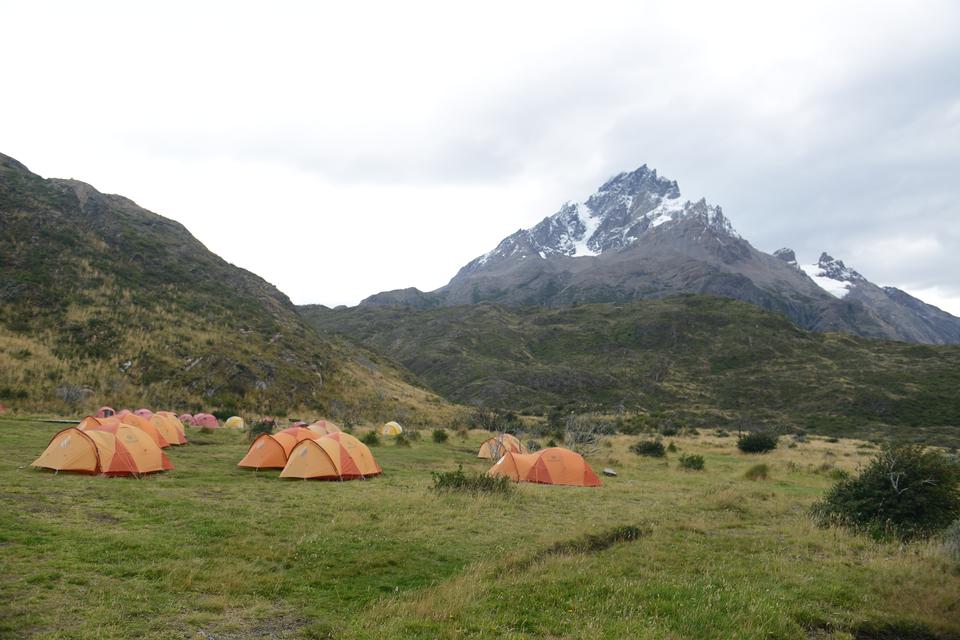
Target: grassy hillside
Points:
(701, 360)
(105, 302)
(235, 554)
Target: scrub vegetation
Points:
(690, 361)
(656, 552)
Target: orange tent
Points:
(144, 413)
(495, 447)
(168, 429)
(324, 427)
(515, 466)
(147, 426)
(270, 451)
(175, 421)
(548, 466)
(127, 452)
(339, 456)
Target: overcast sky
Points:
(341, 151)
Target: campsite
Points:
(480, 321)
(212, 550)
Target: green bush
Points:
(672, 448)
(691, 462)
(722, 433)
(668, 430)
(402, 440)
(371, 439)
(440, 435)
(757, 472)
(906, 492)
(458, 481)
(651, 448)
(259, 428)
(757, 442)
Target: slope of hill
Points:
(105, 301)
(637, 238)
(703, 359)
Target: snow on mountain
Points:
(625, 208)
(832, 275)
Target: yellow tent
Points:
(390, 429)
(235, 422)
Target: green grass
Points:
(238, 554)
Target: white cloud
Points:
(339, 150)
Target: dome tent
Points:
(271, 451)
(324, 427)
(515, 466)
(144, 413)
(390, 429)
(554, 465)
(146, 425)
(105, 412)
(108, 424)
(128, 451)
(187, 419)
(168, 429)
(235, 422)
(338, 456)
(175, 421)
(495, 447)
(205, 420)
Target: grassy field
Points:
(210, 550)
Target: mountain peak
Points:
(624, 208)
(832, 275)
(787, 255)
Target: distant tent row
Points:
(320, 451)
(554, 465)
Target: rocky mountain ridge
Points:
(637, 238)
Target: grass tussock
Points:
(476, 483)
(758, 472)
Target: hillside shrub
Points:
(223, 414)
(650, 448)
(259, 428)
(757, 472)
(533, 445)
(691, 462)
(905, 492)
(458, 481)
(757, 442)
(722, 433)
(951, 541)
(371, 439)
(668, 430)
(402, 440)
(440, 436)
(672, 448)
(411, 435)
